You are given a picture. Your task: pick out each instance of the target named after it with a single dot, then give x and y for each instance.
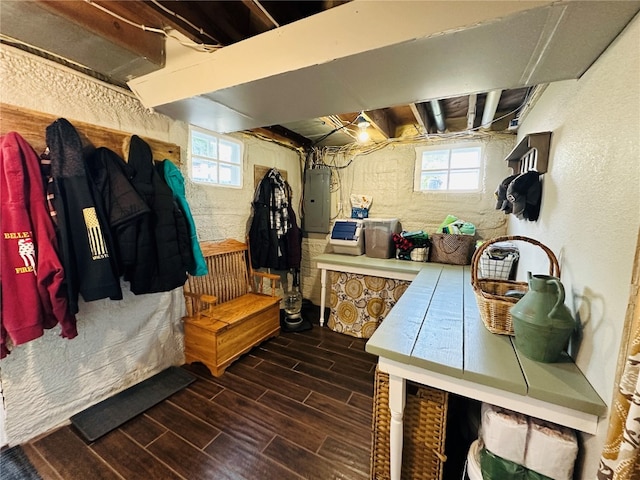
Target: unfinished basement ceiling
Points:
(301, 70)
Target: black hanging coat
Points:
(86, 246)
(263, 240)
(269, 247)
(122, 205)
(162, 235)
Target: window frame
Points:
(218, 161)
(417, 183)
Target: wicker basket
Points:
(425, 419)
(452, 248)
(490, 293)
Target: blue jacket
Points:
(175, 180)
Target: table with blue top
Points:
(434, 336)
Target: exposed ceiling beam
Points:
(99, 22)
(263, 61)
(283, 135)
(228, 22)
(89, 37)
(419, 111)
(189, 22)
(254, 84)
(471, 112)
(382, 122)
(261, 14)
(327, 4)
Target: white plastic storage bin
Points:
(378, 236)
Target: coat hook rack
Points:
(532, 153)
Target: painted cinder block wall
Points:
(387, 175)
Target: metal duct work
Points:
(490, 108)
(438, 115)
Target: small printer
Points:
(347, 236)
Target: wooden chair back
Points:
(230, 275)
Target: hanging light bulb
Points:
(362, 121)
(363, 135)
(362, 124)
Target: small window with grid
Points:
(214, 159)
(449, 169)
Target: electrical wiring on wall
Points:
(337, 159)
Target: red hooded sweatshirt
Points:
(32, 288)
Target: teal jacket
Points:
(175, 180)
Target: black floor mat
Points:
(109, 414)
(15, 465)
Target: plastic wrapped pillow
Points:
(551, 449)
(504, 432)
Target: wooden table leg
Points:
(397, 400)
(323, 294)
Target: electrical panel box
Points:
(317, 200)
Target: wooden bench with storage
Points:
(228, 312)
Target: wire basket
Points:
(492, 302)
(497, 268)
(424, 429)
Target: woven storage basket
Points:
(452, 248)
(425, 419)
(490, 293)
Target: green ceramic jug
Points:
(542, 323)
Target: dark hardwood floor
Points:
(298, 406)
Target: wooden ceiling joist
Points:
(419, 111)
(98, 22)
(382, 122)
(260, 14)
(471, 112)
(284, 136)
(174, 18)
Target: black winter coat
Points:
(123, 206)
(160, 265)
(85, 241)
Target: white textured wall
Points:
(224, 212)
(591, 204)
(388, 175)
(120, 343)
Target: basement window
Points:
(452, 168)
(214, 159)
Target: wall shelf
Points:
(532, 153)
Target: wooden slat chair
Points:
(228, 312)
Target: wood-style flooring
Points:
(298, 406)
